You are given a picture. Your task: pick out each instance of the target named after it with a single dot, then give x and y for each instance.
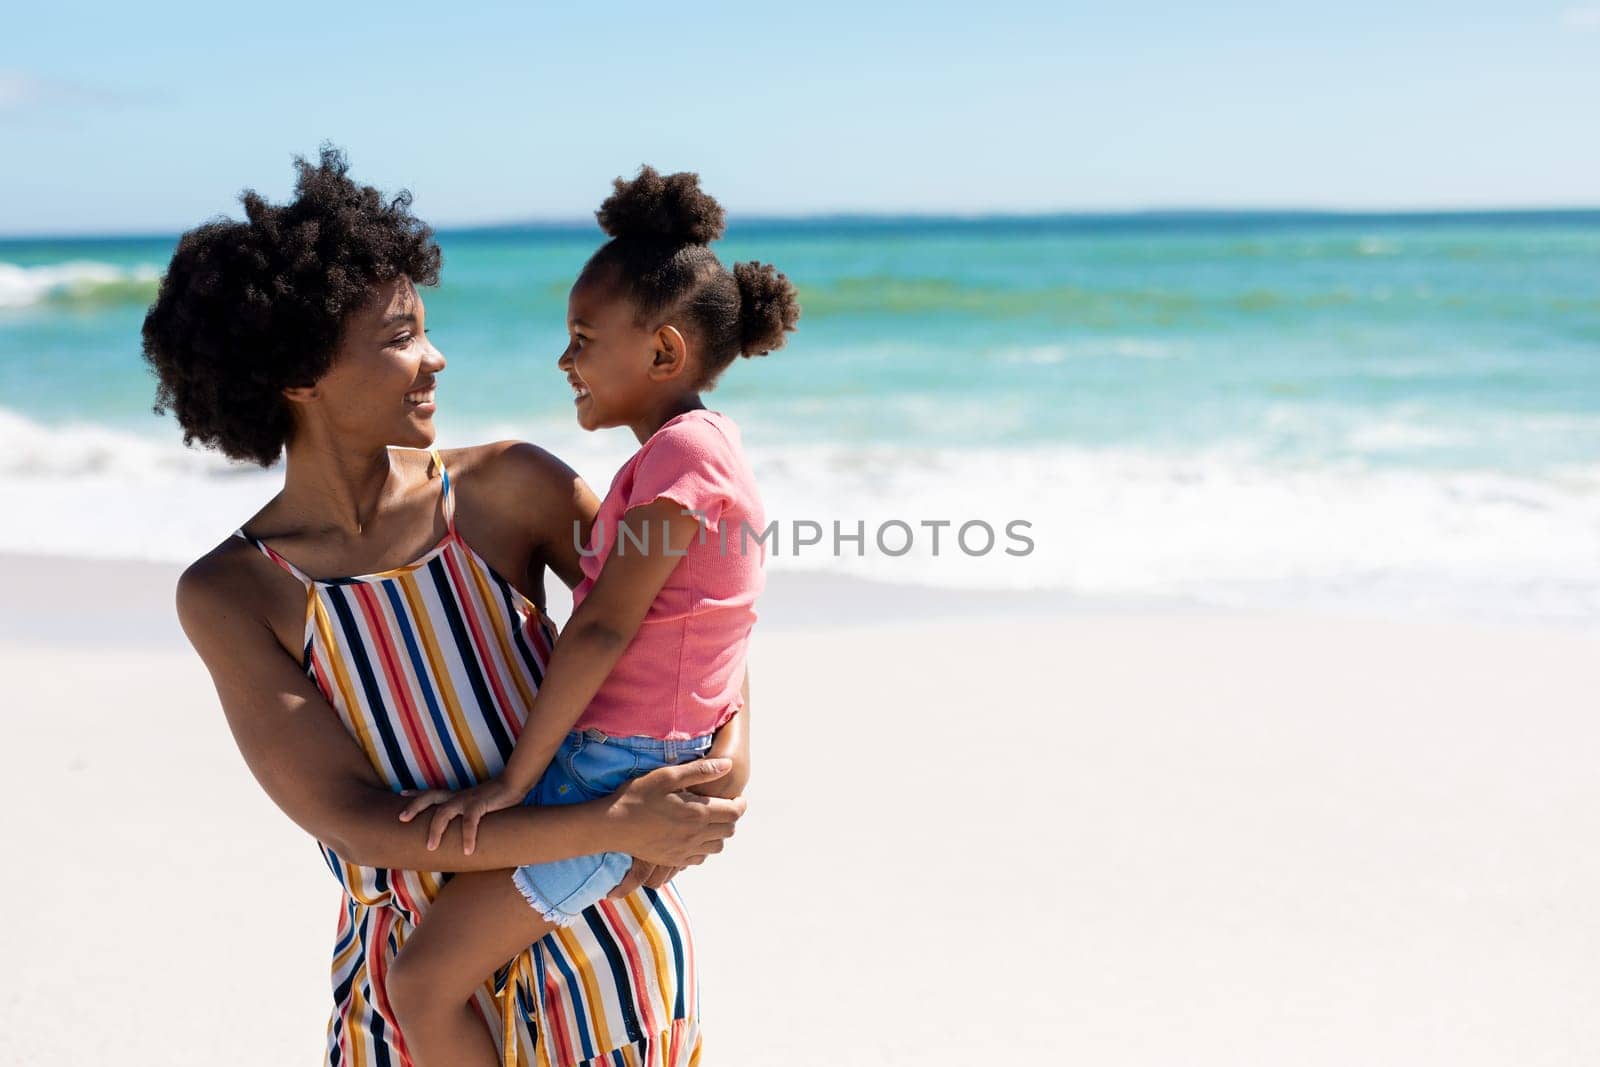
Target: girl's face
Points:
(379, 389)
(608, 357)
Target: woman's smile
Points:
(422, 400)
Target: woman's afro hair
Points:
(660, 228)
(248, 309)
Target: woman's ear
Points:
(301, 394)
(672, 354)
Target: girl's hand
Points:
(662, 823)
(470, 805)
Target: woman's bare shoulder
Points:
(228, 570)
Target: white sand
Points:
(1128, 837)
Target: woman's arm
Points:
(301, 754)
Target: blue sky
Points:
(150, 117)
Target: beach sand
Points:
(980, 827)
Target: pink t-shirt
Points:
(681, 674)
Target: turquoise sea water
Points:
(1401, 411)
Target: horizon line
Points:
(867, 219)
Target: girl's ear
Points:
(672, 354)
(301, 394)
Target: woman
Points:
(378, 626)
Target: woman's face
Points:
(608, 356)
(380, 388)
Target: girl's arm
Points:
(600, 631)
(299, 751)
(650, 543)
(562, 531)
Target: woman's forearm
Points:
(655, 817)
(370, 833)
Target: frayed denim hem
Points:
(550, 913)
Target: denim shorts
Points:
(588, 765)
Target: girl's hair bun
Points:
(669, 207)
(769, 307)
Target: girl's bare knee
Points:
(411, 989)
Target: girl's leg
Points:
(477, 922)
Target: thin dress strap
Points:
(274, 557)
(447, 496)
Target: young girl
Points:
(652, 661)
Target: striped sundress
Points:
(432, 667)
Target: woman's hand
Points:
(732, 745)
(662, 823)
(655, 875)
(470, 805)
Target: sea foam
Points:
(1218, 525)
(78, 280)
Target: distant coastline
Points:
(1062, 222)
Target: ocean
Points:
(1377, 414)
